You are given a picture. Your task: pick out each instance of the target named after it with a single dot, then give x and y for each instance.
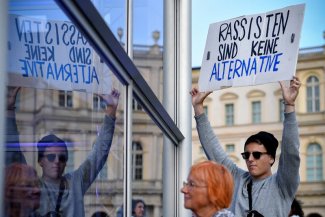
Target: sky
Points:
(205, 12)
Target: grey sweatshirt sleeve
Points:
(289, 162)
(211, 145)
(95, 161)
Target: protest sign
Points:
(51, 54)
(251, 50)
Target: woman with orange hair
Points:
(22, 192)
(208, 190)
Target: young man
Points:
(64, 194)
(271, 194)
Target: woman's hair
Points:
(219, 182)
(135, 203)
(15, 172)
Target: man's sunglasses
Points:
(256, 154)
(52, 157)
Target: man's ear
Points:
(272, 160)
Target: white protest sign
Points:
(50, 54)
(251, 50)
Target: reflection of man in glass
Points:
(64, 193)
(53, 155)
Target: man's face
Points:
(53, 163)
(258, 168)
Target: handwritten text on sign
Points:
(53, 55)
(252, 50)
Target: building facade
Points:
(237, 113)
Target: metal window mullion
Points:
(169, 150)
(127, 171)
(3, 75)
(185, 107)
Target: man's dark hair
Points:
(296, 208)
(100, 214)
(267, 139)
(50, 141)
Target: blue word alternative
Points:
(231, 69)
(74, 73)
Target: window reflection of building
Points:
(65, 98)
(136, 106)
(137, 160)
(98, 103)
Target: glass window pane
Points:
(230, 148)
(229, 114)
(113, 12)
(147, 35)
(147, 154)
(256, 112)
(313, 94)
(314, 162)
(59, 73)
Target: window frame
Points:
(135, 166)
(67, 97)
(230, 115)
(256, 115)
(315, 167)
(312, 85)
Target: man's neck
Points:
(51, 180)
(263, 176)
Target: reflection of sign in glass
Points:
(53, 55)
(250, 50)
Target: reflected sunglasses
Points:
(256, 154)
(51, 157)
